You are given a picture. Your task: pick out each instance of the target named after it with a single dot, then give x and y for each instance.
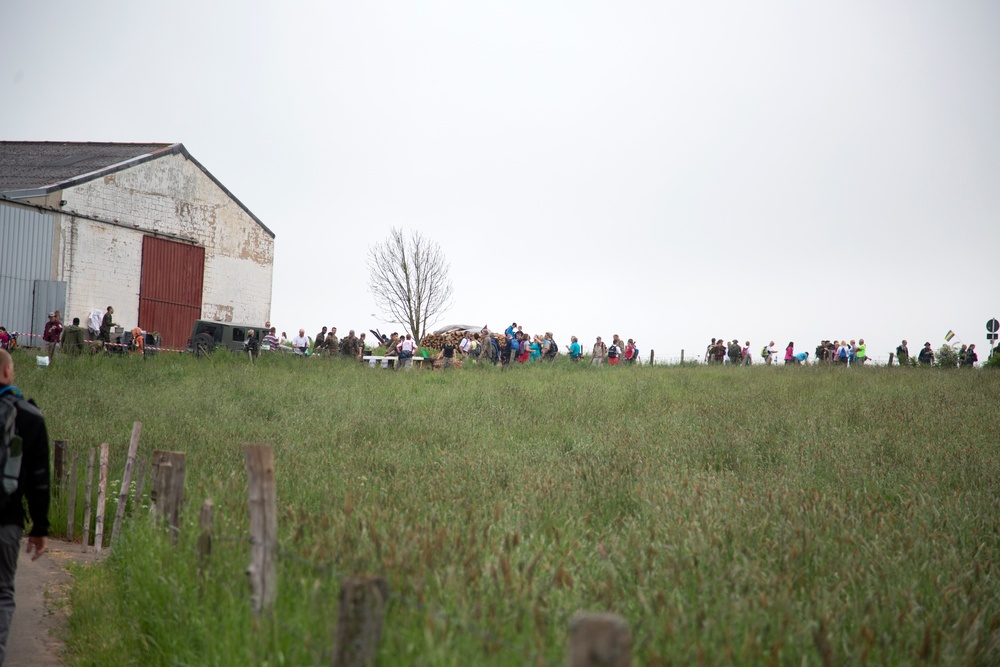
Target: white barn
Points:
(141, 227)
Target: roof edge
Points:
(172, 149)
(184, 151)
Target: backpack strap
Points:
(13, 390)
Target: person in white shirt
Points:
(465, 345)
(406, 348)
(769, 356)
(300, 343)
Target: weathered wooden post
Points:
(59, 467)
(86, 499)
(263, 570)
(140, 482)
(599, 640)
(133, 445)
(102, 489)
(359, 621)
(891, 355)
(167, 493)
(205, 521)
(651, 353)
(71, 504)
(682, 355)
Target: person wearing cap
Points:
(51, 335)
(926, 356)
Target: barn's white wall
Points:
(172, 196)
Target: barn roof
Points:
(37, 168)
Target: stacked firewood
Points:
(437, 341)
(434, 342)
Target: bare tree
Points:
(409, 279)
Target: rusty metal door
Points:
(170, 290)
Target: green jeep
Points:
(207, 335)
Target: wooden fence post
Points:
(651, 357)
(133, 445)
(102, 488)
(71, 508)
(682, 355)
(59, 467)
(140, 480)
(599, 640)
(205, 539)
(359, 621)
(263, 570)
(167, 493)
(891, 354)
(86, 499)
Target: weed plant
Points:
(763, 515)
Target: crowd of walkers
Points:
(517, 346)
(842, 352)
(827, 352)
(514, 346)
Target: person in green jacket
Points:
(74, 339)
(861, 352)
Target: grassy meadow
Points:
(764, 515)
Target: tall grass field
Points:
(733, 516)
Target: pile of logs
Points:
(434, 342)
(437, 341)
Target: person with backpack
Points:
(631, 352)
(844, 353)
(24, 477)
(747, 358)
(600, 353)
(735, 353)
(614, 352)
(552, 348)
(767, 353)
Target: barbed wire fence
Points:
(594, 639)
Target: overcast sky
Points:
(666, 171)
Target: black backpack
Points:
(613, 351)
(11, 445)
(553, 350)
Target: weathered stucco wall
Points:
(171, 196)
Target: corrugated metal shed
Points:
(26, 247)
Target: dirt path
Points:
(42, 606)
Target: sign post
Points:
(992, 326)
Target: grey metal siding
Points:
(49, 296)
(26, 246)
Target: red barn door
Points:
(170, 290)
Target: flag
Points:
(948, 336)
